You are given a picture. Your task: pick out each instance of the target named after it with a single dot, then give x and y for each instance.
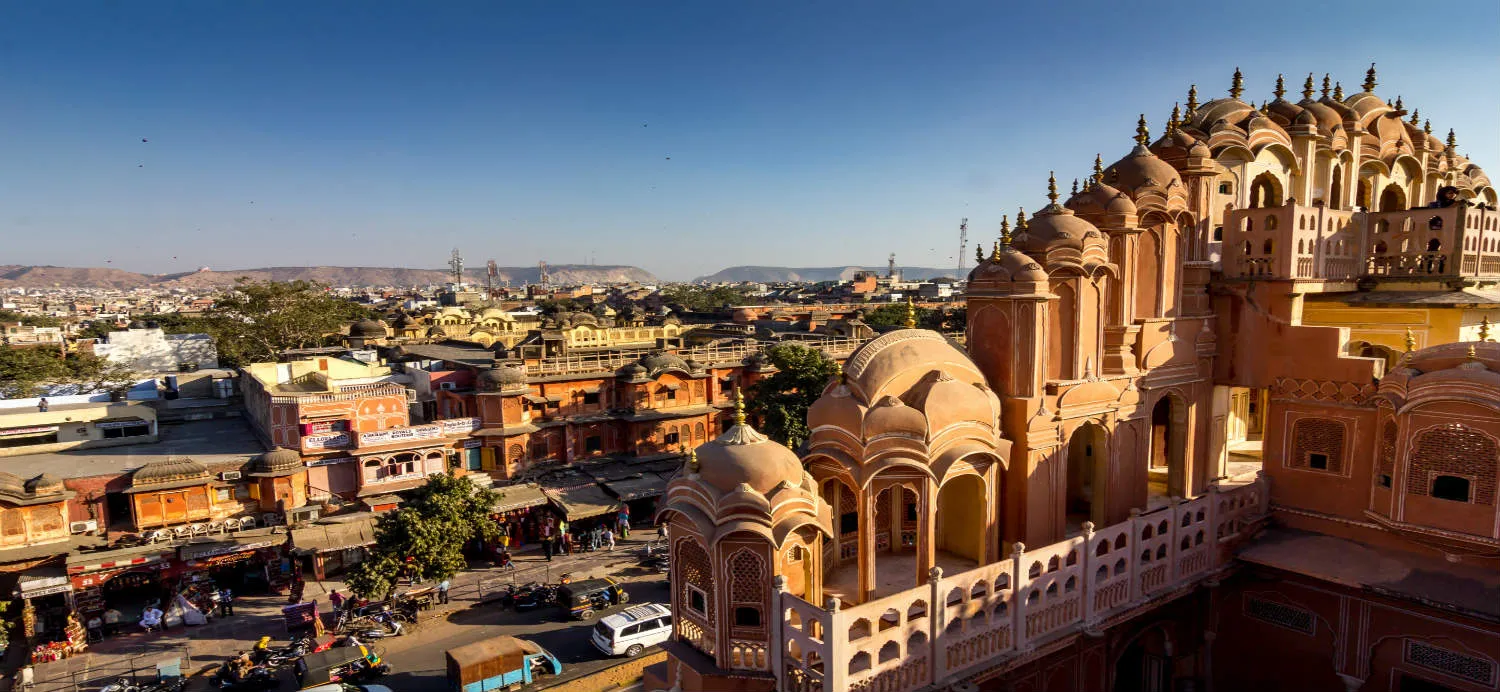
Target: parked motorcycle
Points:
(534, 595)
(257, 678)
(656, 556)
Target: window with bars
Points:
(1318, 445)
(1452, 663)
(1281, 615)
(1457, 451)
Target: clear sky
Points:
(679, 137)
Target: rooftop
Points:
(209, 442)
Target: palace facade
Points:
(1145, 468)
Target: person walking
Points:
(41, 405)
(547, 548)
(226, 602)
(337, 599)
(443, 591)
(661, 531)
(624, 521)
(609, 538)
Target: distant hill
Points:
(89, 277)
(779, 274)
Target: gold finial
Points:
(1427, 127)
(1416, 117)
(1004, 234)
(739, 406)
(1052, 186)
(1142, 135)
(1098, 168)
(1325, 85)
(1338, 91)
(1399, 105)
(1484, 328)
(1307, 88)
(994, 252)
(1075, 187)
(1237, 85)
(1473, 355)
(1280, 87)
(1021, 224)
(1452, 139)
(1370, 79)
(911, 314)
(1411, 341)
(1175, 121)
(838, 370)
(1192, 101)
(692, 460)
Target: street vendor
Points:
(151, 618)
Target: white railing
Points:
(703, 355)
(961, 624)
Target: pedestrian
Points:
(547, 548)
(609, 538)
(337, 599)
(443, 592)
(111, 621)
(661, 531)
(567, 543)
(504, 536)
(624, 517)
(226, 602)
(41, 405)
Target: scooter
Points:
(255, 679)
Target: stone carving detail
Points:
(1326, 391)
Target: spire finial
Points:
(1427, 127)
(1021, 224)
(1237, 85)
(1452, 140)
(911, 314)
(1052, 187)
(1307, 88)
(1484, 328)
(1075, 187)
(1175, 121)
(979, 252)
(838, 370)
(739, 406)
(1370, 79)
(692, 460)
(1410, 341)
(1325, 85)
(1338, 91)
(994, 252)
(1399, 105)
(1473, 353)
(1004, 234)
(1142, 135)
(1192, 101)
(1416, 117)
(1098, 168)
(1280, 86)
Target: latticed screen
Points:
(747, 587)
(1455, 450)
(1318, 444)
(1281, 615)
(696, 572)
(1387, 467)
(1462, 666)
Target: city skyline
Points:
(153, 139)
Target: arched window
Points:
(1301, 249)
(747, 587)
(1267, 246)
(1434, 245)
(1247, 248)
(1218, 234)
(1301, 223)
(1270, 223)
(1249, 224)
(1435, 223)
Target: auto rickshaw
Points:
(340, 664)
(498, 663)
(584, 598)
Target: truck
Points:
(499, 663)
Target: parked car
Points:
(633, 630)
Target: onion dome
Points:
(1055, 226)
(169, 472)
(501, 378)
(632, 371)
(1099, 199)
(658, 362)
(1141, 168)
(1006, 265)
(742, 456)
(277, 462)
(368, 329)
(1284, 112)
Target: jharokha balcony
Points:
(960, 625)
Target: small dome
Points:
(45, 484)
(368, 329)
(169, 471)
(1141, 168)
(891, 416)
(631, 371)
(1056, 226)
(743, 456)
(1232, 110)
(501, 377)
(1012, 266)
(279, 460)
(1101, 198)
(658, 362)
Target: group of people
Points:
(557, 538)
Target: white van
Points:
(632, 630)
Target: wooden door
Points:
(174, 507)
(147, 510)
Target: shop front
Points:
(118, 586)
(331, 545)
(251, 562)
(517, 511)
(47, 619)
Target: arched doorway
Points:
(1165, 475)
(1145, 665)
(1088, 476)
(1265, 191)
(959, 535)
(1336, 191)
(1392, 198)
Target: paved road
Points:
(420, 665)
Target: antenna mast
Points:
(456, 262)
(543, 279)
(489, 279)
(963, 246)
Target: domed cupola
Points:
(1102, 204)
(1141, 170)
(1054, 227)
(1007, 271)
(1325, 117)
(1230, 110)
(502, 378)
(1282, 111)
(368, 329)
(742, 456)
(277, 462)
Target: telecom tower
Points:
(543, 279)
(890, 267)
(963, 246)
(489, 279)
(456, 262)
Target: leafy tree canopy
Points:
(425, 537)
(256, 320)
(702, 299)
(28, 372)
(30, 320)
(893, 316)
(780, 402)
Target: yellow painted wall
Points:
(1387, 326)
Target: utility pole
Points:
(963, 246)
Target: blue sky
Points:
(679, 137)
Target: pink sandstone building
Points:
(1144, 471)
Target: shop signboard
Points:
(459, 426)
(393, 435)
(218, 560)
(473, 444)
(36, 430)
(198, 552)
(112, 424)
(46, 590)
(331, 440)
(328, 462)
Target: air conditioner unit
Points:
(89, 526)
(229, 476)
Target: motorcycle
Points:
(534, 595)
(228, 677)
(265, 654)
(656, 556)
(124, 685)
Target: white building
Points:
(146, 349)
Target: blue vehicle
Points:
(500, 663)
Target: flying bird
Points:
(143, 139)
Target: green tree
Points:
(256, 320)
(25, 371)
(780, 402)
(702, 299)
(30, 320)
(96, 374)
(425, 538)
(893, 316)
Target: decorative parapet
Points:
(958, 626)
(1323, 391)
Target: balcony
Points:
(960, 625)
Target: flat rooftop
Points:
(209, 442)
